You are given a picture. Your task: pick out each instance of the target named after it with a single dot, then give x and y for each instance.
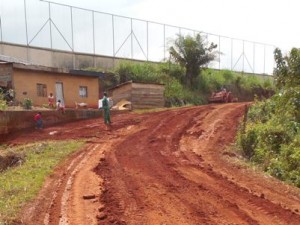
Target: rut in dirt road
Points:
(170, 167)
(171, 172)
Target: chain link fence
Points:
(62, 27)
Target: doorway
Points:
(59, 91)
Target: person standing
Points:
(51, 100)
(38, 120)
(106, 109)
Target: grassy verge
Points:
(21, 184)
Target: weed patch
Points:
(21, 183)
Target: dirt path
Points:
(163, 168)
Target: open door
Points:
(59, 91)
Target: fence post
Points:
(254, 57)
(231, 61)
(219, 52)
(72, 34)
(94, 46)
(131, 38)
(26, 29)
(147, 41)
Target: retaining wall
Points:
(11, 121)
(57, 58)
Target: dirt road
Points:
(163, 168)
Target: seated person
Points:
(60, 106)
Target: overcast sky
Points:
(273, 22)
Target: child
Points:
(51, 101)
(60, 106)
(38, 120)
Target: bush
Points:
(272, 137)
(274, 124)
(177, 93)
(138, 72)
(243, 86)
(261, 111)
(247, 142)
(27, 103)
(172, 70)
(3, 104)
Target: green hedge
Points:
(271, 135)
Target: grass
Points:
(21, 184)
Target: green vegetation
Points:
(21, 182)
(3, 104)
(27, 103)
(271, 136)
(186, 79)
(192, 53)
(245, 87)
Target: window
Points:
(83, 92)
(41, 90)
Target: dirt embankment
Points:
(170, 167)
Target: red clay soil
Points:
(163, 168)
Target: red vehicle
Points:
(221, 97)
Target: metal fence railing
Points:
(57, 26)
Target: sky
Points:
(273, 22)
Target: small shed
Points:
(141, 95)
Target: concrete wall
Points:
(11, 121)
(57, 58)
(64, 59)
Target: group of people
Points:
(59, 104)
(60, 107)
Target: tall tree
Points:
(287, 71)
(192, 53)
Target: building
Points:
(37, 82)
(141, 95)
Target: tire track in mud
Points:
(161, 168)
(252, 199)
(154, 178)
(172, 143)
(58, 212)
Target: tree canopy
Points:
(192, 53)
(287, 71)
